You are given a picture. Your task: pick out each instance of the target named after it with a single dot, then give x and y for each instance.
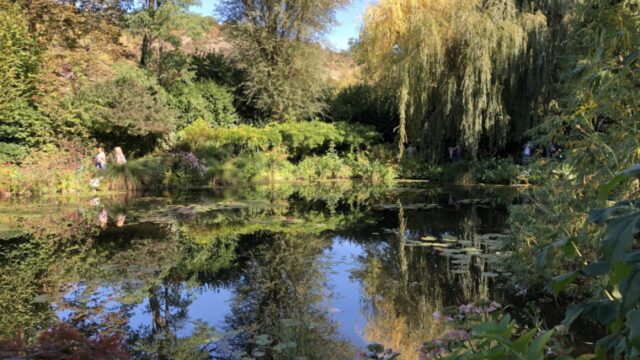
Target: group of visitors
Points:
(550, 151)
(101, 158)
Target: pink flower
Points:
(437, 315)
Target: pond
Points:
(287, 271)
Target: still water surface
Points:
(285, 272)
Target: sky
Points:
(349, 21)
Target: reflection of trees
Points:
(404, 285)
(280, 303)
(168, 305)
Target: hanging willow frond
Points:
(458, 63)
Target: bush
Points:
(502, 171)
(12, 153)
(207, 101)
(360, 104)
(143, 173)
(131, 110)
(299, 138)
(372, 170)
(326, 167)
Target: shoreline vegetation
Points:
(508, 92)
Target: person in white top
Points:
(120, 159)
(527, 152)
(101, 159)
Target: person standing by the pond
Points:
(120, 159)
(457, 153)
(550, 150)
(526, 154)
(101, 159)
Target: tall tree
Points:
(156, 21)
(453, 65)
(20, 59)
(274, 46)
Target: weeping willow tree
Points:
(457, 68)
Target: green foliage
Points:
(596, 125)
(502, 171)
(616, 305)
(299, 138)
(489, 171)
(361, 104)
(207, 101)
(13, 153)
(45, 171)
(452, 65)
(20, 57)
(20, 61)
(156, 22)
(131, 110)
(272, 48)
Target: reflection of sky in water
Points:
(209, 305)
(346, 303)
(213, 304)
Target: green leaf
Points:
(630, 289)
(633, 324)
(572, 313)
(619, 236)
(602, 311)
(536, 350)
(631, 58)
(558, 283)
(596, 269)
(523, 341)
(606, 189)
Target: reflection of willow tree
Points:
(279, 307)
(404, 285)
(474, 284)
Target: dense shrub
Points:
(502, 171)
(131, 110)
(326, 167)
(20, 60)
(299, 138)
(207, 101)
(12, 153)
(361, 104)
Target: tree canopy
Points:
(273, 48)
(453, 67)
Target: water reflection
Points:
(251, 272)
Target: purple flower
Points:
(457, 335)
(437, 315)
(468, 308)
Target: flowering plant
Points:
(485, 331)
